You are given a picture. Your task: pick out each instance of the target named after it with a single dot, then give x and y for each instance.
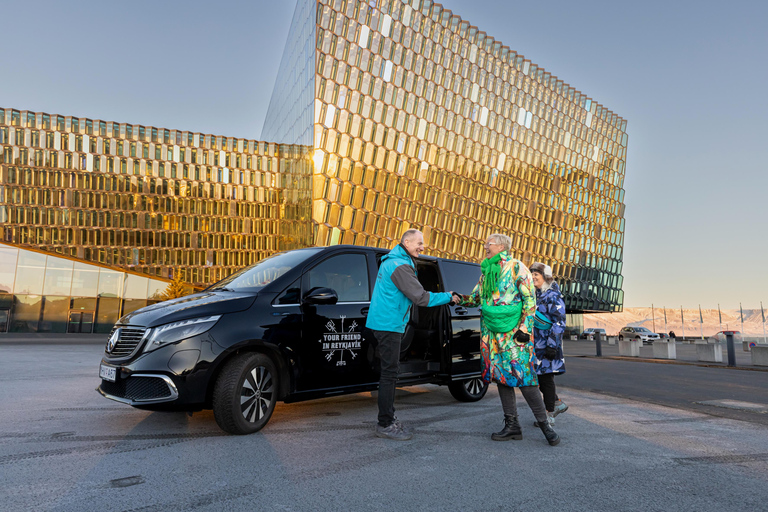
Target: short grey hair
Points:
(504, 240)
(408, 235)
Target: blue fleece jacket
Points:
(397, 289)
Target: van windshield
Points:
(259, 275)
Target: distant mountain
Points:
(612, 322)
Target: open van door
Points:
(461, 354)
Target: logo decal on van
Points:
(337, 342)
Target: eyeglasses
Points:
(487, 246)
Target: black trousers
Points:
(548, 389)
(389, 356)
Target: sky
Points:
(688, 76)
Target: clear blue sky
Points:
(689, 76)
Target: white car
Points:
(638, 333)
(590, 332)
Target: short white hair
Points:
(504, 240)
(409, 234)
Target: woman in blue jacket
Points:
(548, 328)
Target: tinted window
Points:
(347, 274)
(291, 294)
(256, 277)
(460, 277)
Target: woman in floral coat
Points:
(506, 297)
(548, 328)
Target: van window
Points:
(347, 274)
(256, 277)
(460, 277)
(291, 294)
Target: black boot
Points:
(552, 437)
(511, 430)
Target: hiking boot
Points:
(394, 431)
(550, 420)
(552, 437)
(560, 407)
(511, 430)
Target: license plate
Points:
(108, 372)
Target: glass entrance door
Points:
(80, 322)
(4, 315)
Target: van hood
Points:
(191, 306)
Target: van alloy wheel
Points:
(470, 390)
(245, 394)
(256, 394)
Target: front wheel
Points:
(245, 394)
(470, 390)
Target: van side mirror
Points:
(321, 295)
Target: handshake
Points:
(455, 298)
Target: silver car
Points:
(638, 333)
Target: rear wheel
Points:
(245, 394)
(470, 390)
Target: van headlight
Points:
(177, 331)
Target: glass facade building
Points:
(45, 293)
(386, 115)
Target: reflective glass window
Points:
(8, 257)
(25, 315)
(55, 314)
(30, 273)
(83, 303)
(110, 283)
(130, 305)
(135, 287)
(107, 314)
(58, 276)
(85, 280)
(156, 289)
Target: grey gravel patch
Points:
(722, 459)
(736, 404)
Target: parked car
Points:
(638, 333)
(721, 336)
(589, 333)
(290, 328)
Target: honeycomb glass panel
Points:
(383, 117)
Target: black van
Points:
(290, 328)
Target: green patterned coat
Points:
(504, 360)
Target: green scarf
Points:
(503, 318)
(491, 273)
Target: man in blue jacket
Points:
(397, 289)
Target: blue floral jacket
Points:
(550, 305)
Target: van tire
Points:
(245, 394)
(470, 390)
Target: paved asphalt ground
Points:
(633, 439)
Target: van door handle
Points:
(364, 311)
(460, 310)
